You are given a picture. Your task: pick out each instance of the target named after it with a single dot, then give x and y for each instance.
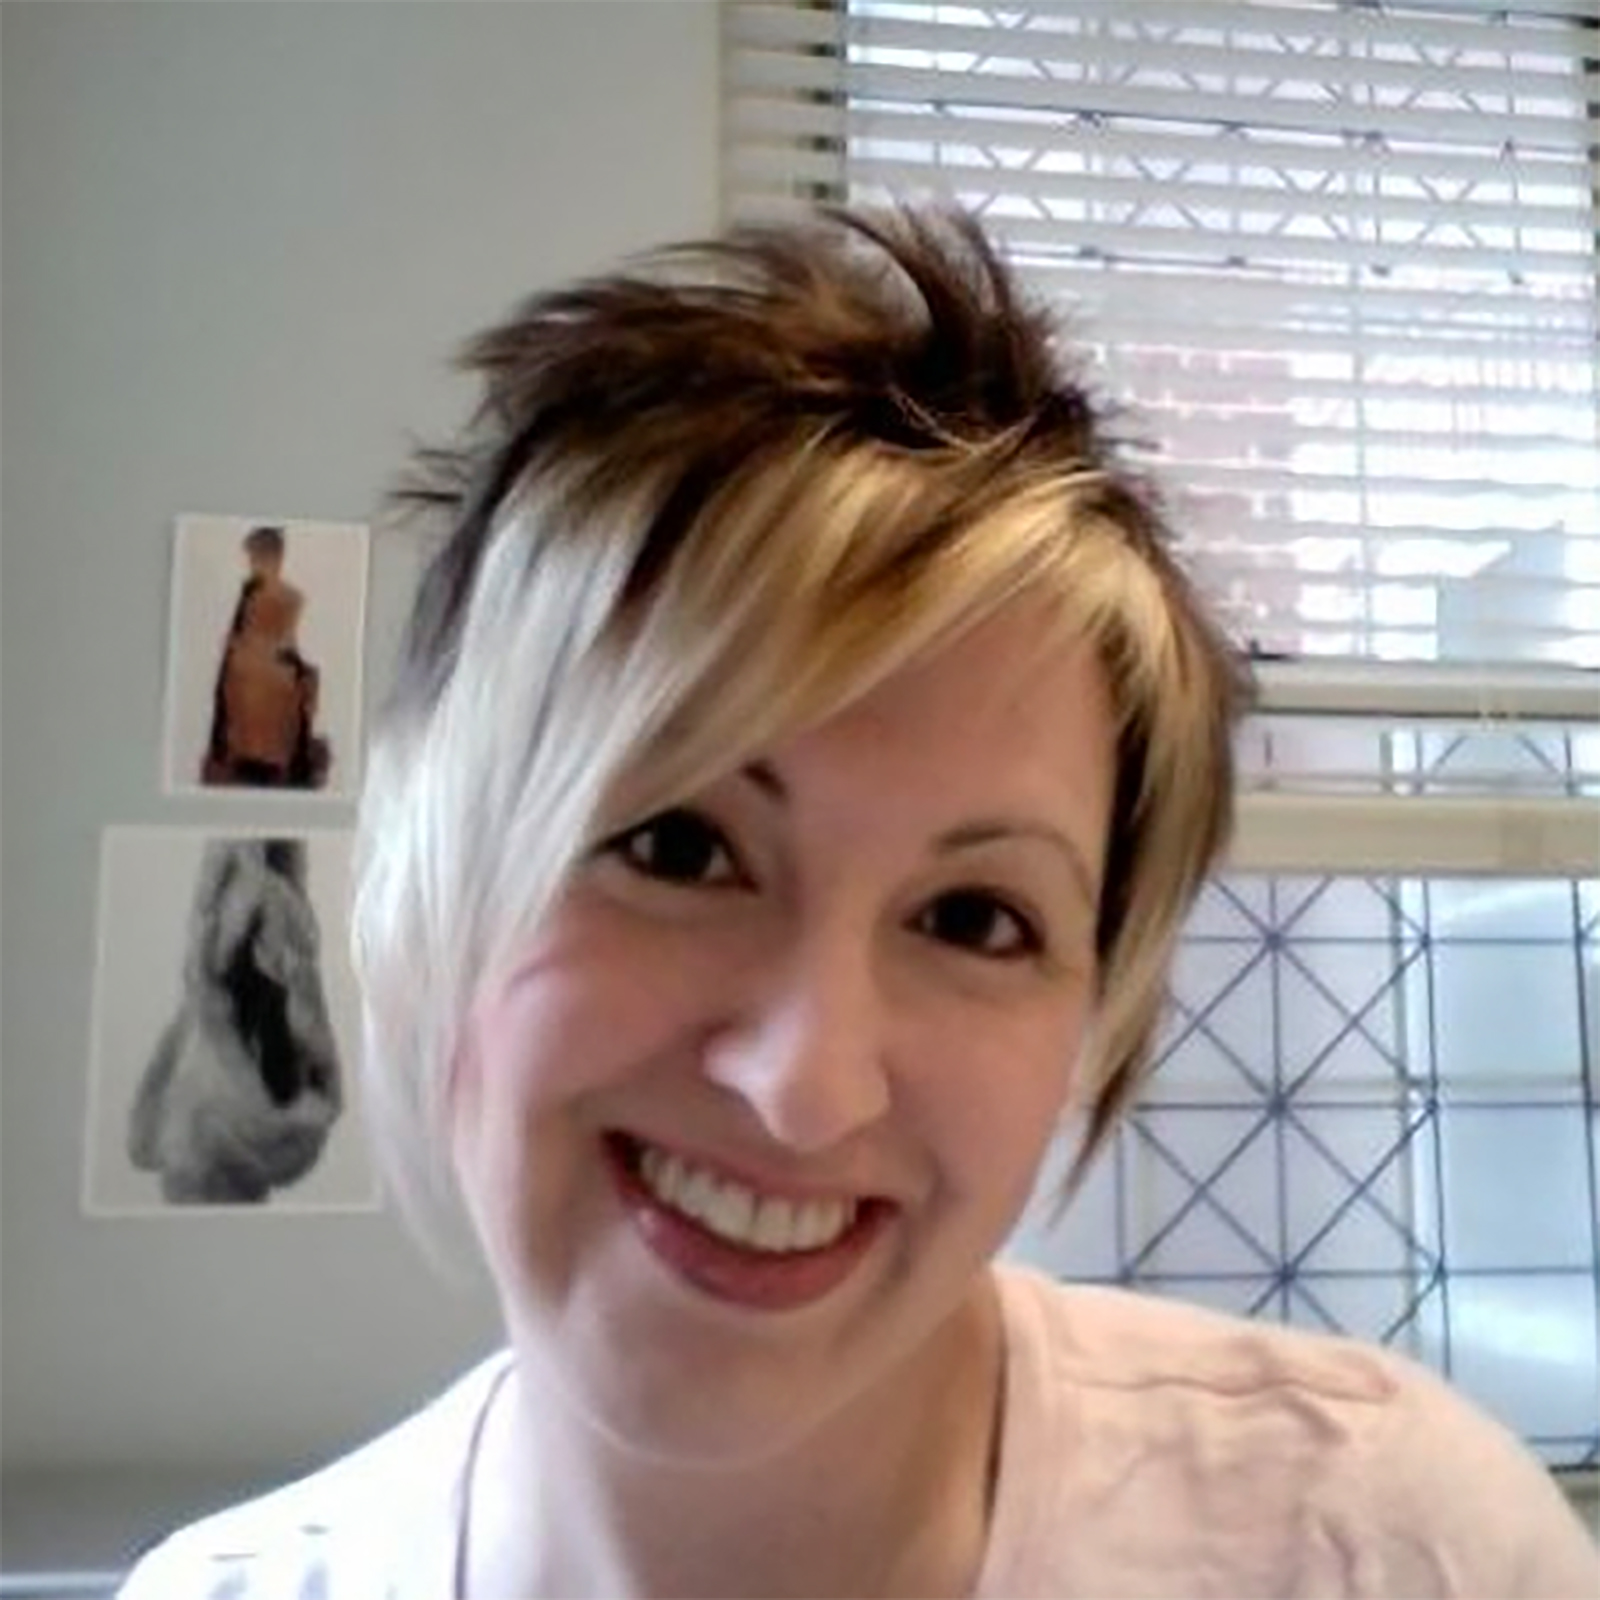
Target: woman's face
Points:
(755, 1109)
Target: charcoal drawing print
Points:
(243, 1086)
(265, 649)
(234, 1088)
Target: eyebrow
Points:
(968, 836)
(765, 777)
(996, 829)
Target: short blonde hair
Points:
(711, 501)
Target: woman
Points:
(805, 753)
(264, 705)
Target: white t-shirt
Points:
(1148, 1449)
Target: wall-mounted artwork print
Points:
(264, 656)
(225, 1025)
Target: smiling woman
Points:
(804, 754)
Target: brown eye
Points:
(981, 922)
(678, 846)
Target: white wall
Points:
(239, 244)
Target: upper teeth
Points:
(736, 1213)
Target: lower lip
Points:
(756, 1279)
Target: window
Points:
(1341, 258)
(1342, 255)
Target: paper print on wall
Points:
(264, 656)
(225, 1025)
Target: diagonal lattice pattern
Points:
(1315, 1150)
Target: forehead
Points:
(1013, 712)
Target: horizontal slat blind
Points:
(1342, 258)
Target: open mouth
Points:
(734, 1242)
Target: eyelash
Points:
(708, 834)
(1026, 943)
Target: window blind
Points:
(1341, 256)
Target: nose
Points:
(804, 1047)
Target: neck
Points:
(887, 1497)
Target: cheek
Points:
(520, 1153)
(523, 1054)
(1004, 1103)
(590, 1011)
(476, 1109)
